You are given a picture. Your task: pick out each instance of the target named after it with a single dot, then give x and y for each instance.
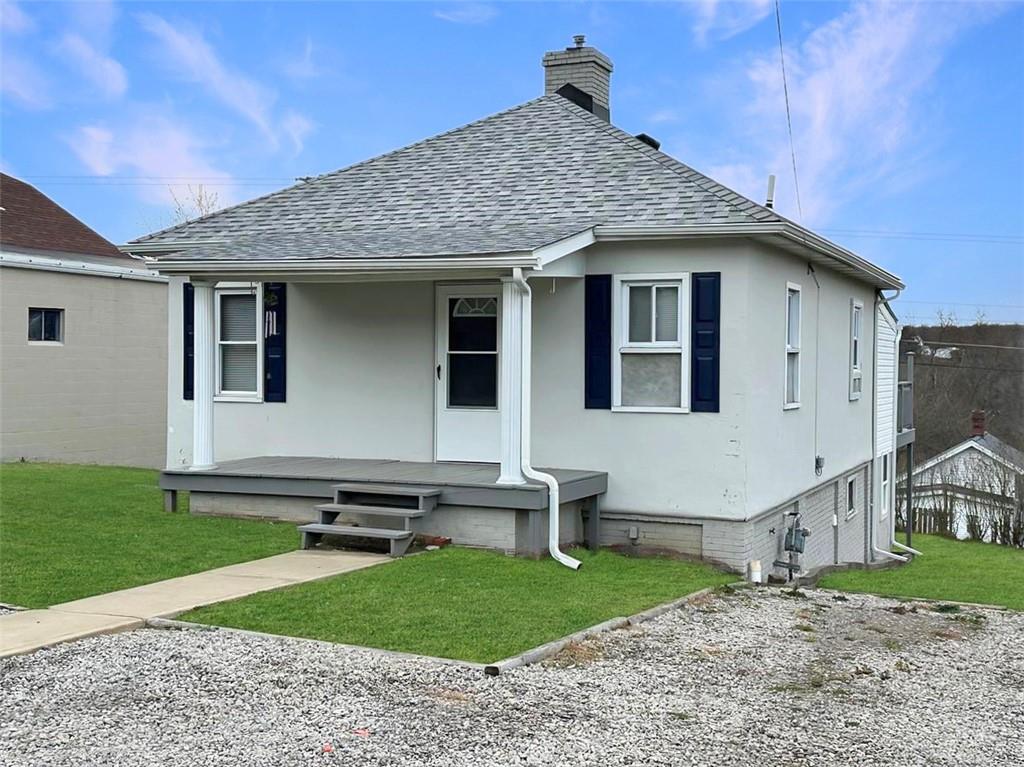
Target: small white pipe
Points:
(901, 547)
(529, 472)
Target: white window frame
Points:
(851, 496)
(886, 472)
(856, 349)
(786, 404)
(239, 396)
(620, 336)
(61, 313)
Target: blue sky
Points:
(908, 117)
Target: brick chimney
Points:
(581, 74)
(977, 423)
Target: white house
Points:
(424, 329)
(83, 339)
(973, 489)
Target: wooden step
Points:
(382, 489)
(398, 540)
(383, 511)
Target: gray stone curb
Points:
(545, 651)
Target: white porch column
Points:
(510, 383)
(204, 371)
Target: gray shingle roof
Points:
(511, 182)
(1007, 452)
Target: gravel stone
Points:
(752, 677)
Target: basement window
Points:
(886, 486)
(45, 326)
(851, 496)
(651, 368)
(239, 344)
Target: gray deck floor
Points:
(462, 484)
(372, 470)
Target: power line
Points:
(962, 303)
(789, 118)
(994, 239)
(956, 366)
(973, 346)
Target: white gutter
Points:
(70, 266)
(554, 507)
(784, 229)
(874, 418)
(342, 266)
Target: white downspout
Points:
(528, 471)
(874, 419)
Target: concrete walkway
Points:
(28, 630)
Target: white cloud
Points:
(168, 156)
(103, 71)
(721, 20)
(664, 117)
(297, 128)
(857, 88)
(23, 82)
(467, 13)
(303, 67)
(192, 57)
(13, 19)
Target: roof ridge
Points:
(337, 172)
(667, 161)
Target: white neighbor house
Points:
(537, 289)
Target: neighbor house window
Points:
(792, 398)
(651, 370)
(856, 349)
(886, 485)
(851, 496)
(46, 325)
(238, 343)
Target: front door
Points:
(468, 425)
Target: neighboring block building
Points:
(83, 344)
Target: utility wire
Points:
(956, 366)
(789, 118)
(975, 346)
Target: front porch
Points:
(472, 506)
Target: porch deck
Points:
(461, 484)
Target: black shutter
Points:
(706, 310)
(275, 308)
(188, 339)
(597, 344)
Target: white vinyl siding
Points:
(239, 344)
(651, 361)
(885, 383)
(856, 349)
(791, 393)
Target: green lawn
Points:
(68, 532)
(958, 571)
(464, 603)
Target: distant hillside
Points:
(957, 370)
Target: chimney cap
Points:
(579, 40)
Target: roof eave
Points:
(785, 230)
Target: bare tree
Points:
(195, 202)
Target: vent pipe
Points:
(770, 201)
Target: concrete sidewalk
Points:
(28, 630)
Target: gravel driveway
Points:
(739, 679)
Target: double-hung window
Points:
(792, 395)
(239, 339)
(651, 363)
(856, 349)
(46, 326)
(886, 486)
